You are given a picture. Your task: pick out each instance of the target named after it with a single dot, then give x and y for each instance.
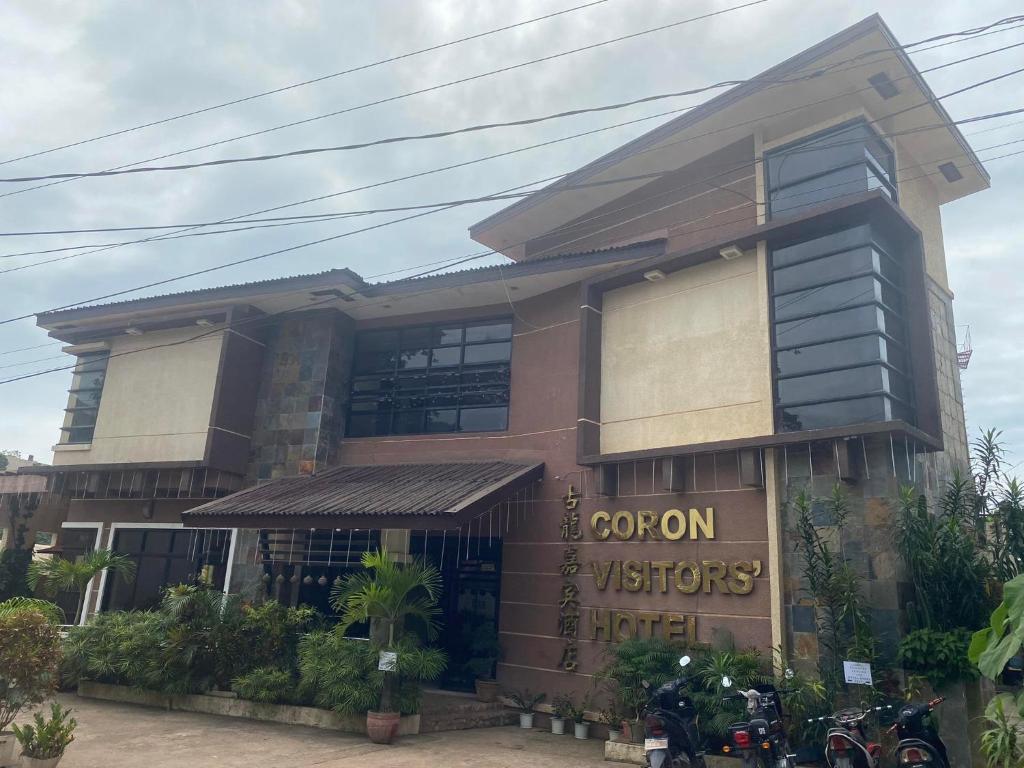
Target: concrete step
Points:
(450, 711)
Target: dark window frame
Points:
(379, 404)
(69, 429)
(868, 159)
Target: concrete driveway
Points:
(113, 735)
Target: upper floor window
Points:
(451, 377)
(84, 398)
(828, 166)
(839, 332)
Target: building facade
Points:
(597, 440)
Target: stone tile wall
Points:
(301, 404)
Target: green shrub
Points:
(47, 738)
(267, 685)
(634, 661)
(941, 657)
(341, 674)
(122, 648)
(29, 658)
(14, 573)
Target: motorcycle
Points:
(762, 740)
(846, 743)
(671, 739)
(919, 743)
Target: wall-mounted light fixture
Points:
(133, 331)
(654, 275)
(730, 252)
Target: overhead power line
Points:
(249, 215)
(419, 91)
(284, 221)
(320, 79)
(437, 134)
(466, 259)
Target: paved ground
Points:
(124, 736)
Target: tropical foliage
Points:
(940, 657)
(268, 685)
(51, 611)
(29, 659)
(634, 661)
(399, 602)
(840, 612)
(196, 640)
(524, 699)
(47, 739)
(55, 574)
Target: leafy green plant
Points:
(29, 659)
(745, 669)
(841, 617)
(1002, 743)
(561, 706)
(341, 673)
(525, 700)
(571, 709)
(400, 602)
(941, 657)
(56, 574)
(47, 738)
(632, 662)
(51, 611)
(267, 685)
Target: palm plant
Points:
(14, 605)
(387, 594)
(58, 575)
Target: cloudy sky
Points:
(76, 70)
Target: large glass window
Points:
(451, 377)
(84, 398)
(827, 166)
(839, 332)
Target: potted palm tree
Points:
(389, 595)
(43, 744)
(56, 574)
(526, 701)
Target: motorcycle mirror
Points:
(789, 674)
(684, 661)
(726, 681)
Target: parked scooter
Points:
(670, 726)
(846, 743)
(919, 745)
(761, 741)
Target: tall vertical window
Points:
(451, 377)
(828, 166)
(84, 398)
(840, 337)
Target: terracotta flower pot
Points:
(486, 690)
(381, 727)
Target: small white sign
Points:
(388, 661)
(857, 672)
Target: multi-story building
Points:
(596, 440)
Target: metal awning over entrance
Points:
(383, 496)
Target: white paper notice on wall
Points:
(857, 672)
(388, 661)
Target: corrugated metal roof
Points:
(399, 490)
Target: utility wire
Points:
(429, 89)
(303, 83)
(320, 218)
(831, 68)
(433, 135)
(542, 144)
(471, 257)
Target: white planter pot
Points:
(581, 730)
(526, 719)
(7, 745)
(614, 734)
(32, 762)
(558, 725)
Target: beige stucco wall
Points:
(919, 201)
(156, 403)
(685, 360)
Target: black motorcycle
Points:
(671, 739)
(847, 744)
(761, 741)
(919, 745)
